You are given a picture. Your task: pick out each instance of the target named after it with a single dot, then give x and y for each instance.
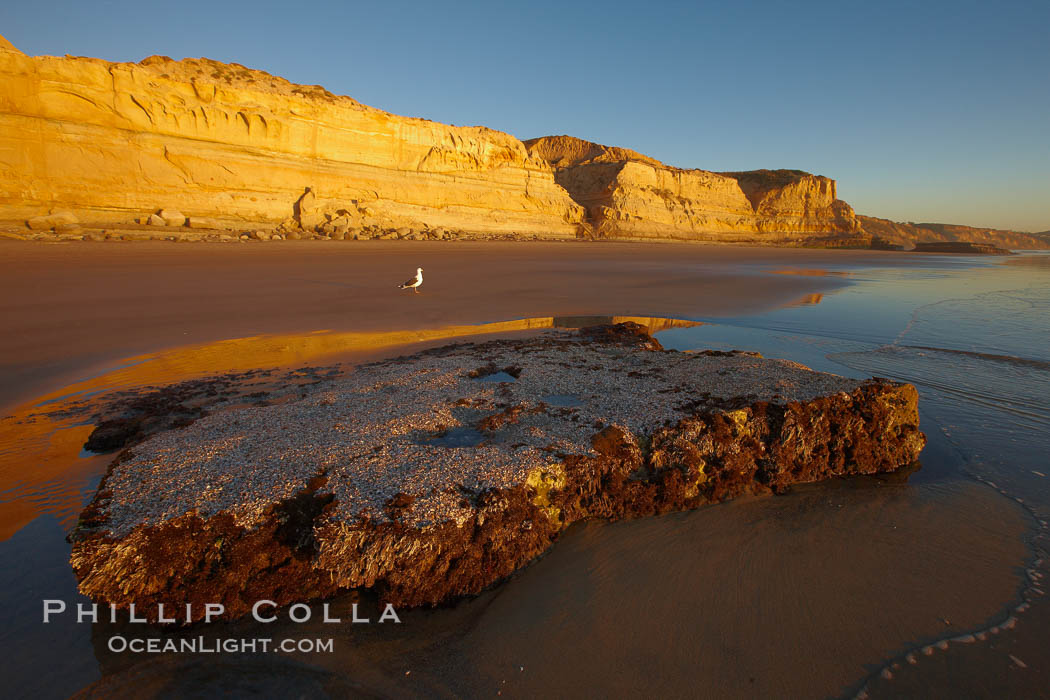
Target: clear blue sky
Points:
(923, 111)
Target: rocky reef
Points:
(436, 475)
(629, 195)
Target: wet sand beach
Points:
(817, 593)
(69, 307)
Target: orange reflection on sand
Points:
(41, 470)
(811, 272)
(808, 300)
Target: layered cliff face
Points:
(627, 194)
(84, 140)
(908, 234)
(793, 200)
(113, 141)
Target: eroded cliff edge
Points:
(113, 141)
(630, 195)
(436, 475)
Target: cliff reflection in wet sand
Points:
(44, 470)
(808, 300)
(807, 272)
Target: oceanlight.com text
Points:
(200, 645)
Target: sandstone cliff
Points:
(629, 195)
(112, 142)
(908, 234)
(85, 141)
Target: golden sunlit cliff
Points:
(113, 141)
(629, 195)
(198, 144)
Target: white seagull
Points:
(413, 283)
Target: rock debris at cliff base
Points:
(436, 475)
